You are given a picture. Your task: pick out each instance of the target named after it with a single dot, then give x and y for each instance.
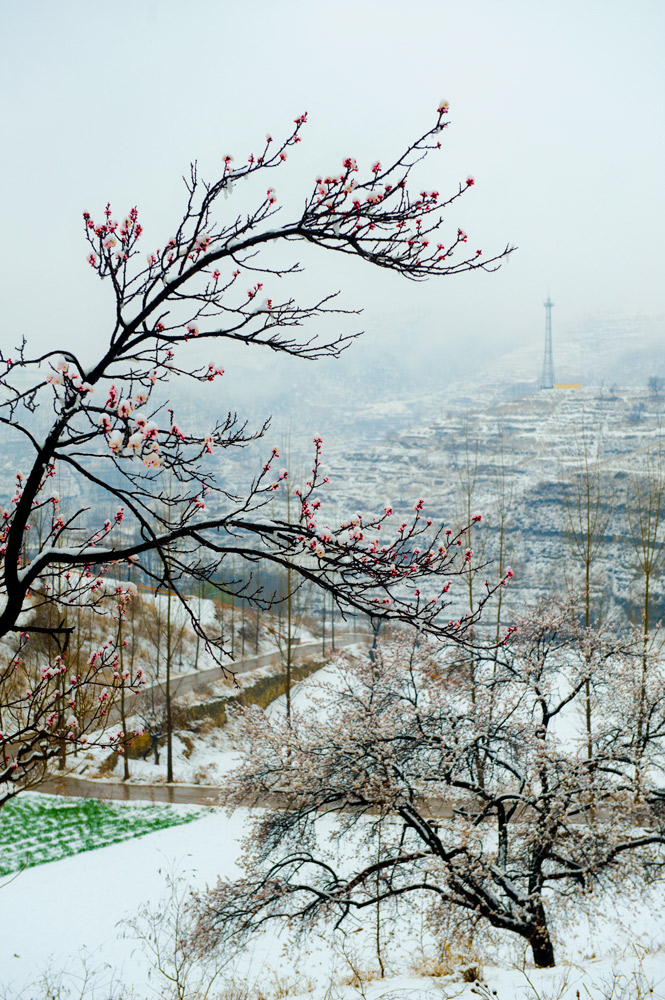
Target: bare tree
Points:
(394, 748)
(645, 510)
(163, 932)
(289, 610)
(126, 678)
(502, 520)
(656, 383)
(589, 504)
(466, 466)
(107, 422)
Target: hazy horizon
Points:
(555, 111)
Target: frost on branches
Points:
(111, 434)
(479, 797)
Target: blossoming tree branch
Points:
(111, 430)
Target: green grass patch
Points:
(38, 828)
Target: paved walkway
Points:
(200, 679)
(181, 683)
(91, 788)
(209, 795)
(182, 794)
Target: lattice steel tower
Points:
(547, 377)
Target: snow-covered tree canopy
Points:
(401, 779)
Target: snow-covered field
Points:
(72, 910)
(71, 922)
(71, 915)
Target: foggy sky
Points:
(556, 109)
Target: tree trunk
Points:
(169, 717)
(123, 714)
(258, 615)
(289, 640)
(541, 943)
(198, 637)
(123, 723)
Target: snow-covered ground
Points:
(73, 917)
(72, 914)
(72, 909)
(200, 759)
(206, 756)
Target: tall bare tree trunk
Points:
(169, 710)
(589, 507)
(645, 509)
(123, 714)
(289, 641)
(232, 598)
(198, 637)
(258, 616)
(466, 462)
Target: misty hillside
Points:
(393, 377)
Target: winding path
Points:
(177, 792)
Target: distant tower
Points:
(547, 377)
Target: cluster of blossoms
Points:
(328, 189)
(141, 439)
(112, 242)
(106, 529)
(381, 212)
(174, 255)
(214, 369)
(6, 515)
(389, 564)
(62, 375)
(263, 160)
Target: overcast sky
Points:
(556, 109)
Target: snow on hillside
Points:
(536, 445)
(394, 430)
